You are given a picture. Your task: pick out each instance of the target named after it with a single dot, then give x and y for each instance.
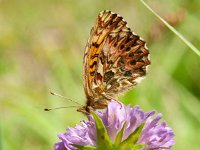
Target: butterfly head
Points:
(85, 110)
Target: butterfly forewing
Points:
(115, 60)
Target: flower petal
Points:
(154, 135)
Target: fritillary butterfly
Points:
(115, 60)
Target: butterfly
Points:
(115, 60)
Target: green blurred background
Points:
(41, 50)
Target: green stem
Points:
(189, 44)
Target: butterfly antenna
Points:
(49, 109)
(55, 94)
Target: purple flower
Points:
(154, 135)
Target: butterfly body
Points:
(115, 60)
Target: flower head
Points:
(154, 135)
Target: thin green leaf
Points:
(132, 139)
(84, 147)
(189, 44)
(103, 140)
(119, 136)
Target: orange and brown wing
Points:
(115, 58)
(94, 47)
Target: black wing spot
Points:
(115, 44)
(92, 73)
(133, 44)
(128, 73)
(110, 62)
(95, 44)
(93, 64)
(102, 60)
(94, 56)
(108, 75)
(132, 62)
(122, 46)
(128, 49)
(120, 17)
(128, 38)
(121, 61)
(131, 54)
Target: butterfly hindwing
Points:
(115, 59)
